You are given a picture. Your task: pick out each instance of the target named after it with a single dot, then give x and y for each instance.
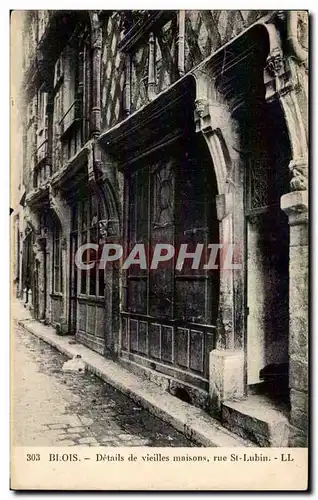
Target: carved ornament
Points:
(275, 62)
(297, 34)
(299, 171)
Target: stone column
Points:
(213, 119)
(109, 231)
(226, 362)
(224, 205)
(295, 205)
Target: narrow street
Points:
(55, 408)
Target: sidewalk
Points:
(193, 422)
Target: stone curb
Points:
(191, 421)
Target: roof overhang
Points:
(160, 121)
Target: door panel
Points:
(87, 304)
(73, 284)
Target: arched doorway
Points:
(28, 268)
(267, 249)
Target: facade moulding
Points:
(102, 176)
(71, 168)
(37, 196)
(63, 212)
(213, 121)
(143, 22)
(96, 47)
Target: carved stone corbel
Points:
(295, 205)
(99, 165)
(91, 171)
(31, 222)
(62, 210)
(275, 64)
(299, 170)
(284, 80)
(204, 125)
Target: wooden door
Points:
(169, 316)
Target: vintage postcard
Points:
(159, 184)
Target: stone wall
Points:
(299, 333)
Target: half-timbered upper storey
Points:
(86, 71)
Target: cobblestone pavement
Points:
(55, 408)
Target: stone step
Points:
(259, 419)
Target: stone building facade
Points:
(174, 127)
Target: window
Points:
(72, 84)
(58, 70)
(91, 282)
(57, 259)
(42, 103)
(42, 131)
(68, 81)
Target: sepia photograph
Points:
(159, 249)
